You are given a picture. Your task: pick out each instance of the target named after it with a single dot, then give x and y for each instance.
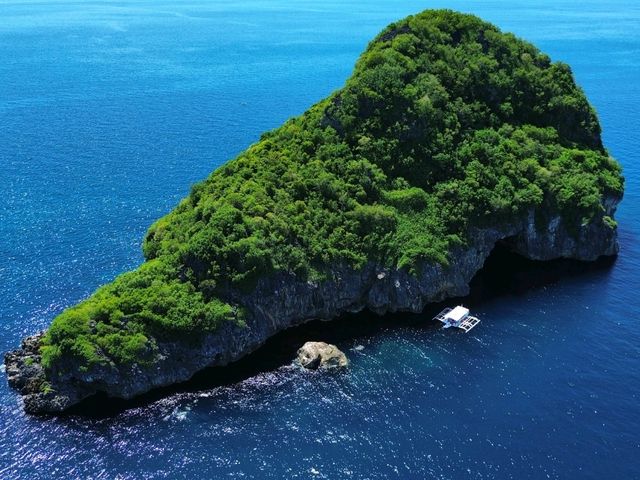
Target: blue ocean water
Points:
(110, 110)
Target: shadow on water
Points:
(504, 273)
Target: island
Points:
(450, 137)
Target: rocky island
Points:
(449, 137)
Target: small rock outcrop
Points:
(25, 373)
(314, 355)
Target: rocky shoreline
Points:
(283, 300)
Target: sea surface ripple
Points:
(110, 110)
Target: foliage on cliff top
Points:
(445, 124)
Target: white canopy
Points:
(457, 314)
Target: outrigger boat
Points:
(457, 317)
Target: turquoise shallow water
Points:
(110, 110)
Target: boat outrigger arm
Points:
(457, 317)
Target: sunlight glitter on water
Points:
(111, 110)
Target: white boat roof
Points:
(457, 314)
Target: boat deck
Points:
(466, 323)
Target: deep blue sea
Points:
(110, 110)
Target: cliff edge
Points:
(450, 137)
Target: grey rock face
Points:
(314, 355)
(283, 300)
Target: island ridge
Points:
(449, 137)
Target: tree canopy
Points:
(445, 124)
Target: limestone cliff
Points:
(283, 301)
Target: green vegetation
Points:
(46, 388)
(445, 124)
